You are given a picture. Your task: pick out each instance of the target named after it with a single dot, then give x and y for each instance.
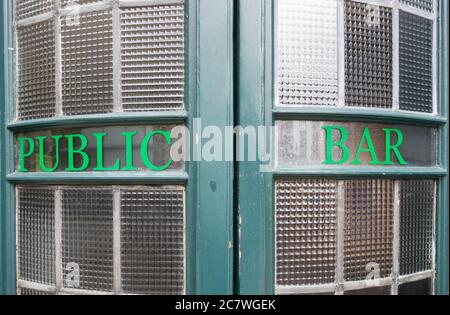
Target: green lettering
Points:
(23, 154)
(144, 150)
(330, 144)
(80, 151)
(100, 165)
(394, 148)
(41, 141)
(129, 151)
(366, 137)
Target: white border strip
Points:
(292, 290)
(396, 239)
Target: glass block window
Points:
(416, 225)
(36, 235)
(306, 232)
(36, 71)
(152, 58)
(87, 237)
(87, 64)
(307, 58)
(152, 238)
(29, 8)
(78, 66)
(426, 5)
(104, 240)
(368, 55)
(368, 228)
(416, 63)
(353, 237)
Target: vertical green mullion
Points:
(442, 261)
(214, 181)
(191, 104)
(255, 189)
(7, 204)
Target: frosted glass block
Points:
(87, 64)
(153, 58)
(416, 63)
(32, 292)
(307, 52)
(87, 238)
(368, 55)
(422, 287)
(426, 5)
(36, 236)
(417, 202)
(29, 8)
(152, 238)
(306, 231)
(368, 230)
(36, 71)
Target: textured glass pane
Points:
(303, 143)
(66, 3)
(426, 5)
(87, 237)
(416, 63)
(114, 148)
(306, 231)
(370, 291)
(422, 287)
(32, 292)
(368, 55)
(152, 58)
(307, 52)
(28, 8)
(36, 235)
(416, 225)
(152, 237)
(87, 64)
(36, 71)
(368, 229)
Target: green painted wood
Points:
(358, 115)
(7, 205)
(255, 189)
(214, 180)
(2, 153)
(84, 121)
(442, 252)
(169, 177)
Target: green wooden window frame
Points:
(255, 102)
(208, 93)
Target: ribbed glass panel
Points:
(29, 8)
(36, 235)
(416, 63)
(416, 225)
(87, 237)
(368, 55)
(36, 71)
(306, 232)
(307, 52)
(152, 57)
(152, 240)
(368, 229)
(426, 5)
(87, 64)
